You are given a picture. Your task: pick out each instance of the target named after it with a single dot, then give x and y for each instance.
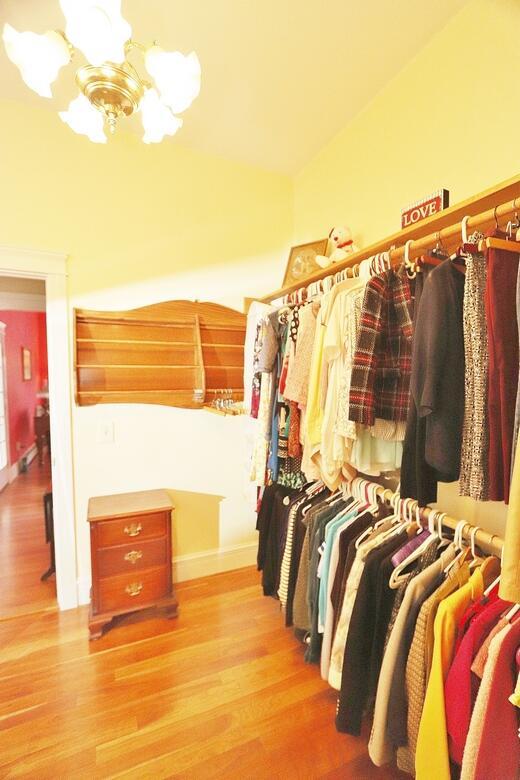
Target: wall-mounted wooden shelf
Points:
(172, 353)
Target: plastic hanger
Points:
(372, 508)
(393, 501)
(457, 539)
(476, 559)
(411, 267)
(465, 248)
(497, 579)
(314, 487)
(444, 540)
(490, 587)
(514, 609)
(397, 578)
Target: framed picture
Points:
(26, 364)
(302, 261)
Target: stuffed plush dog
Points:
(340, 245)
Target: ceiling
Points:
(279, 77)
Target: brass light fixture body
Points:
(115, 90)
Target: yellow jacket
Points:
(432, 758)
(509, 588)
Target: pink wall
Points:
(24, 329)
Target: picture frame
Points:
(26, 364)
(302, 261)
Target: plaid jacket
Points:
(380, 384)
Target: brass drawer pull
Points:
(134, 529)
(133, 556)
(134, 589)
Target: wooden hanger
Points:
(434, 257)
(506, 245)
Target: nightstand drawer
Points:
(132, 557)
(126, 530)
(131, 590)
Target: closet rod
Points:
(447, 231)
(492, 542)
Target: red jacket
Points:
(499, 750)
(461, 687)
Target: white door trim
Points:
(52, 267)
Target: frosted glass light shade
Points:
(84, 119)
(177, 76)
(158, 120)
(97, 28)
(39, 57)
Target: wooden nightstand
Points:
(131, 552)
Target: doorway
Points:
(50, 268)
(27, 571)
(4, 443)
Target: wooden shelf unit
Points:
(173, 353)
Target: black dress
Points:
(432, 446)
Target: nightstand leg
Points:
(96, 627)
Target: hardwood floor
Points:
(220, 692)
(24, 554)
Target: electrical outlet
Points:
(105, 433)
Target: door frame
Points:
(52, 268)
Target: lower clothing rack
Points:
(487, 541)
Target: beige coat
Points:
(380, 749)
(510, 580)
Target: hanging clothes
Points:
(437, 387)
(297, 383)
(381, 373)
(461, 685)
(432, 743)
(256, 313)
(509, 588)
(373, 596)
(492, 747)
(389, 704)
(517, 408)
(503, 365)
(419, 661)
(331, 455)
(475, 434)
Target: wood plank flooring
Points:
(24, 554)
(220, 692)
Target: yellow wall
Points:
(449, 119)
(147, 223)
(142, 224)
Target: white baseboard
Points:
(203, 564)
(14, 468)
(31, 453)
(199, 564)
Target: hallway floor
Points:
(24, 554)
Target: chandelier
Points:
(110, 88)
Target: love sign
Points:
(425, 207)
